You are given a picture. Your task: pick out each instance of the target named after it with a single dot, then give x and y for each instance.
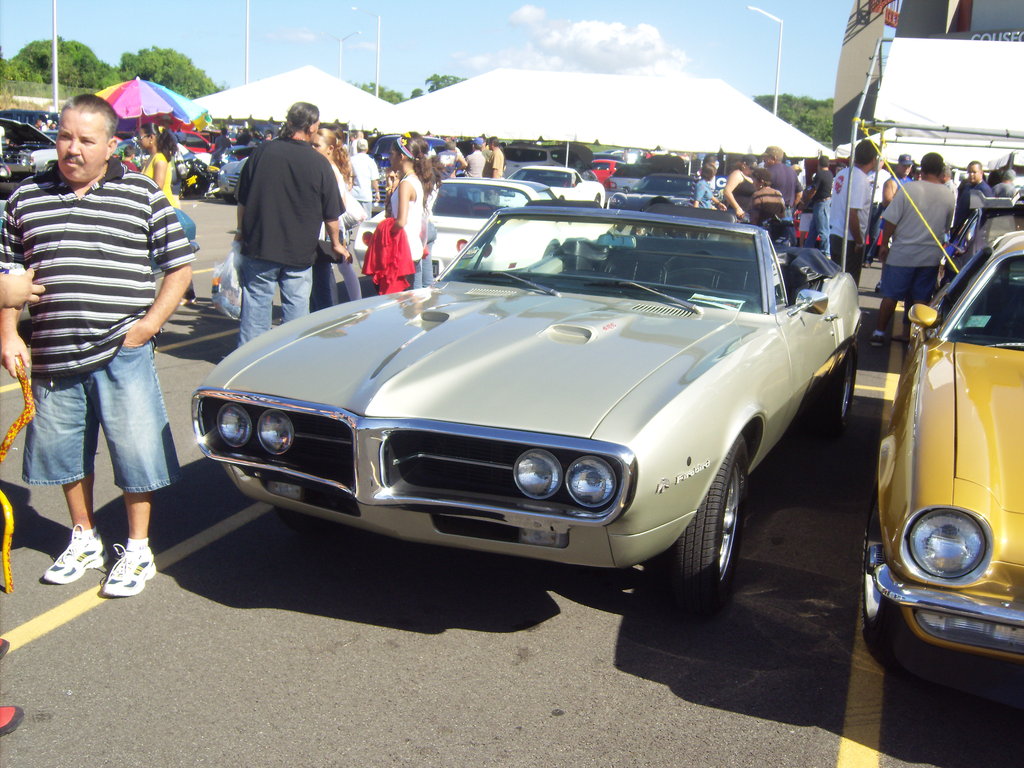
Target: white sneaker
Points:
(130, 573)
(81, 555)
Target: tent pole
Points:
(853, 145)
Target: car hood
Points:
(481, 354)
(990, 421)
(25, 135)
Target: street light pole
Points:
(53, 64)
(247, 41)
(341, 50)
(778, 58)
(376, 86)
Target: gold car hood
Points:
(990, 421)
(483, 355)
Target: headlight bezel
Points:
(919, 571)
(275, 449)
(229, 406)
(611, 481)
(556, 474)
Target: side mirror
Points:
(922, 315)
(808, 300)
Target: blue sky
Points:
(713, 38)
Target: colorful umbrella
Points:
(136, 100)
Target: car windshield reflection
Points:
(701, 265)
(995, 316)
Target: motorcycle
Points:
(196, 177)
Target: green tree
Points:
(386, 94)
(77, 65)
(812, 116)
(12, 70)
(169, 68)
(437, 82)
(416, 93)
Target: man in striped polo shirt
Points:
(94, 233)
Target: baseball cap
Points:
(478, 142)
(905, 160)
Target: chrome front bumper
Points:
(945, 601)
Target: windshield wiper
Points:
(521, 279)
(1009, 345)
(687, 305)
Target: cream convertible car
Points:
(582, 386)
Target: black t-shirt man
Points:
(288, 190)
(821, 187)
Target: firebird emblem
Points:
(667, 482)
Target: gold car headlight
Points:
(538, 474)
(234, 425)
(276, 432)
(591, 481)
(947, 543)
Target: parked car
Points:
(944, 552)
(603, 168)
(583, 386)
(26, 150)
(196, 144)
(462, 207)
(29, 116)
(227, 180)
(626, 176)
(656, 188)
(565, 183)
(520, 155)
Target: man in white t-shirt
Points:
(910, 268)
(365, 176)
(855, 184)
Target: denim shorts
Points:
(124, 398)
(909, 284)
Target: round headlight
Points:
(234, 425)
(590, 481)
(538, 474)
(276, 432)
(947, 543)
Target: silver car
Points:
(583, 386)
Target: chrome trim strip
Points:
(957, 603)
(451, 460)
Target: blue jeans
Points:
(324, 292)
(259, 279)
(124, 398)
(820, 225)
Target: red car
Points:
(603, 168)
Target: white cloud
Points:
(583, 46)
(302, 35)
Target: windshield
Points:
(552, 178)
(706, 266)
(995, 316)
(677, 186)
(478, 201)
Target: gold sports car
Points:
(944, 550)
(583, 386)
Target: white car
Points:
(566, 183)
(462, 208)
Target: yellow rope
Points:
(927, 226)
(27, 413)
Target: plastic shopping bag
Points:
(227, 289)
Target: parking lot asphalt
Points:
(254, 646)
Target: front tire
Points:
(830, 416)
(703, 559)
(878, 615)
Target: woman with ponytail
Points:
(410, 157)
(325, 290)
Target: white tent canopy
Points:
(939, 82)
(957, 150)
(671, 112)
(270, 98)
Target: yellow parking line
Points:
(865, 694)
(35, 628)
